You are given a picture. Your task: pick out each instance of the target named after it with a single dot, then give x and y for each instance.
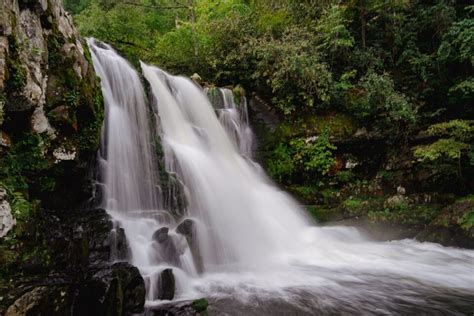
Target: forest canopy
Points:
(396, 68)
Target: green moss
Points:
(320, 213)
(406, 214)
(200, 305)
(16, 72)
(467, 221)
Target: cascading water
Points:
(233, 117)
(246, 245)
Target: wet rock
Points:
(168, 251)
(161, 235)
(186, 227)
(7, 221)
(120, 248)
(166, 285)
(117, 290)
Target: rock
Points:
(361, 133)
(395, 201)
(39, 122)
(62, 154)
(117, 290)
(43, 300)
(161, 235)
(186, 227)
(401, 190)
(166, 285)
(7, 221)
(187, 308)
(351, 164)
(120, 248)
(5, 140)
(167, 250)
(60, 114)
(196, 78)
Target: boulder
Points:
(43, 300)
(117, 290)
(161, 235)
(166, 285)
(186, 227)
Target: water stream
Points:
(242, 242)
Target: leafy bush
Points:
(455, 142)
(376, 100)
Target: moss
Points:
(320, 213)
(238, 93)
(200, 305)
(16, 72)
(2, 106)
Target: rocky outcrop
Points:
(54, 261)
(78, 278)
(50, 103)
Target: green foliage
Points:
(308, 156)
(458, 43)
(332, 33)
(281, 164)
(317, 156)
(455, 142)
(443, 148)
(405, 213)
(25, 158)
(346, 176)
(462, 130)
(467, 221)
(291, 64)
(376, 99)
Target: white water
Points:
(258, 251)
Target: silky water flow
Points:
(238, 239)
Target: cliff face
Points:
(51, 107)
(54, 259)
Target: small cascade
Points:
(234, 118)
(217, 226)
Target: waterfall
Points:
(127, 160)
(242, 242)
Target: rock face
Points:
(56, 261)
(80, 278)
(50, 102)
(6, 218)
